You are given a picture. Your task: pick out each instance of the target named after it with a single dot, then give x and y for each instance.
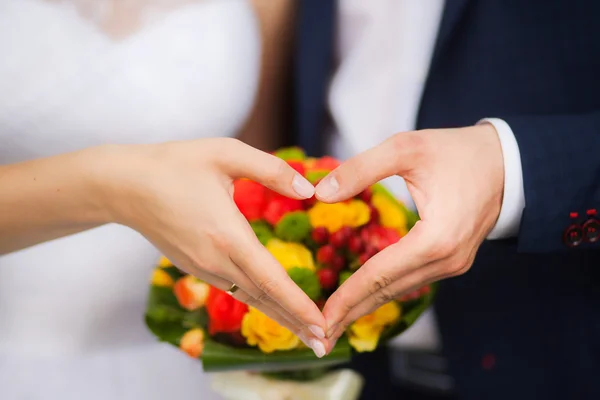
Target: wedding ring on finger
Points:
(232, 289)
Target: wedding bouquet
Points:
(320, 245)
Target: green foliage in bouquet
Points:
(320, 246)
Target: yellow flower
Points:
(161, 278)
(390, 215)
(260, 330)
(357, 214)
(365, 332)
(291, 255)
(192, 342)
(334, 216)
(164, 262)
(330, 216)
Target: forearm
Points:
(268, 121)
(51, 197)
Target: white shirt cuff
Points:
(513, 202)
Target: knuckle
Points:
(384, 296)
(458, 268)
(342, 301)
(442, 248)
(219, 240)
(268, 287)
(379, 283)
(280, 169)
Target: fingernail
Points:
(317, 331)
(303, 339)
(302, 186)
(328, 187)
(332, 330)
(317, 347)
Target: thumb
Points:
(395, 155)
(244, 161)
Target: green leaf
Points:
(291, 154)
(218, 357)
(263, 231)
(315, 176)
(306, 280)
(411, 217)
(173, 272)
(293, 227)
(167, 320)
(344, 275)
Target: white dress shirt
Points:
(383, 51)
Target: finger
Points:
(269, 308)
(308, 339)
(394, 156)
(407, 284)
(273, 282)
(375, 276)
(258, 299)
(247, 162)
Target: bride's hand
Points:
(179, 195)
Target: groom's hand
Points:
(456, 178)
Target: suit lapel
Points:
(313, 63)
(453, 11)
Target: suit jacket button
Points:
(591, 230)
(573, 235)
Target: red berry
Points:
(355, 244)
(326, 254)
(347, 231)
(338, 263)
(374, 217)
(425, 290)
(363, 258)
(320, 303)
(327, 278)
(366, 195)
(320, 235)
(340, 238)
(309, 203)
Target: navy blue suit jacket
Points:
(531, 303)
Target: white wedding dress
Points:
(71, 310)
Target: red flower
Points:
(325, 164)
(250, 197)
(379, 237)
(277, 206)
(298, 166)
(225, 313)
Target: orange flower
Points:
(191, 292)
(192, 342)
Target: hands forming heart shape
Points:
(180, 196)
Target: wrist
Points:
(111, 181)
(493, 161)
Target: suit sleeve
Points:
(560, 159)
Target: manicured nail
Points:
(328, 187)
(317, 347)
(303, 339)
(317, 331)
(332, 330)
(303, 187)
